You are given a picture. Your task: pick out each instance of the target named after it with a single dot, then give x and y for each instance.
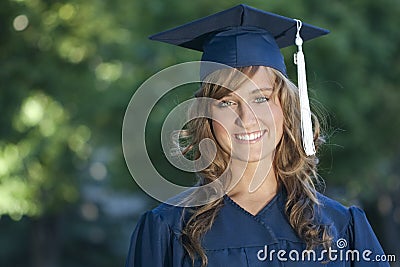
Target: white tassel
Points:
(306, 123)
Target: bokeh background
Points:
(69, 68)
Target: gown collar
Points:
(234, 227)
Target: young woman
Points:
(271, 213)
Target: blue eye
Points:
(261, 99)
(225, 103)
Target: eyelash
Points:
(262, 98)
(225, 103)
(228, 103)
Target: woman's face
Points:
(248, 122)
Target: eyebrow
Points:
(257, 90)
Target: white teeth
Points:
(249, 137)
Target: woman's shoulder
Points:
(341, 217)
(333, 206)
(169, 215)
(155, 240)
(334, 213)
(349, 224)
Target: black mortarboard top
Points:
(240, 36)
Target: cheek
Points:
(277, 114)
(222, 122)
(272, 116)
(222, 137)
(219, 130)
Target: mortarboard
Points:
(245, 36)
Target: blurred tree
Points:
(59, 59)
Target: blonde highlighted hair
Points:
(295, 171)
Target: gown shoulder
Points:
(155, 240)
(351, 231)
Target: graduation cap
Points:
(245, 36)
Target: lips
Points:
(251, 136)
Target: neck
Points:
(252, 178)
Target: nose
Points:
(246, 116)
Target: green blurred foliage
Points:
(69, 68)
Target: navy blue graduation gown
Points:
(238, 238)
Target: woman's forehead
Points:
(261, 82)
(244, 91)
(254, 80)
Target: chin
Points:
(254, 158)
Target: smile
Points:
(253, 136)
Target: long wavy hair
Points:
(294, 170)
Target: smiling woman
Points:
(256, 121)
(256, 126)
